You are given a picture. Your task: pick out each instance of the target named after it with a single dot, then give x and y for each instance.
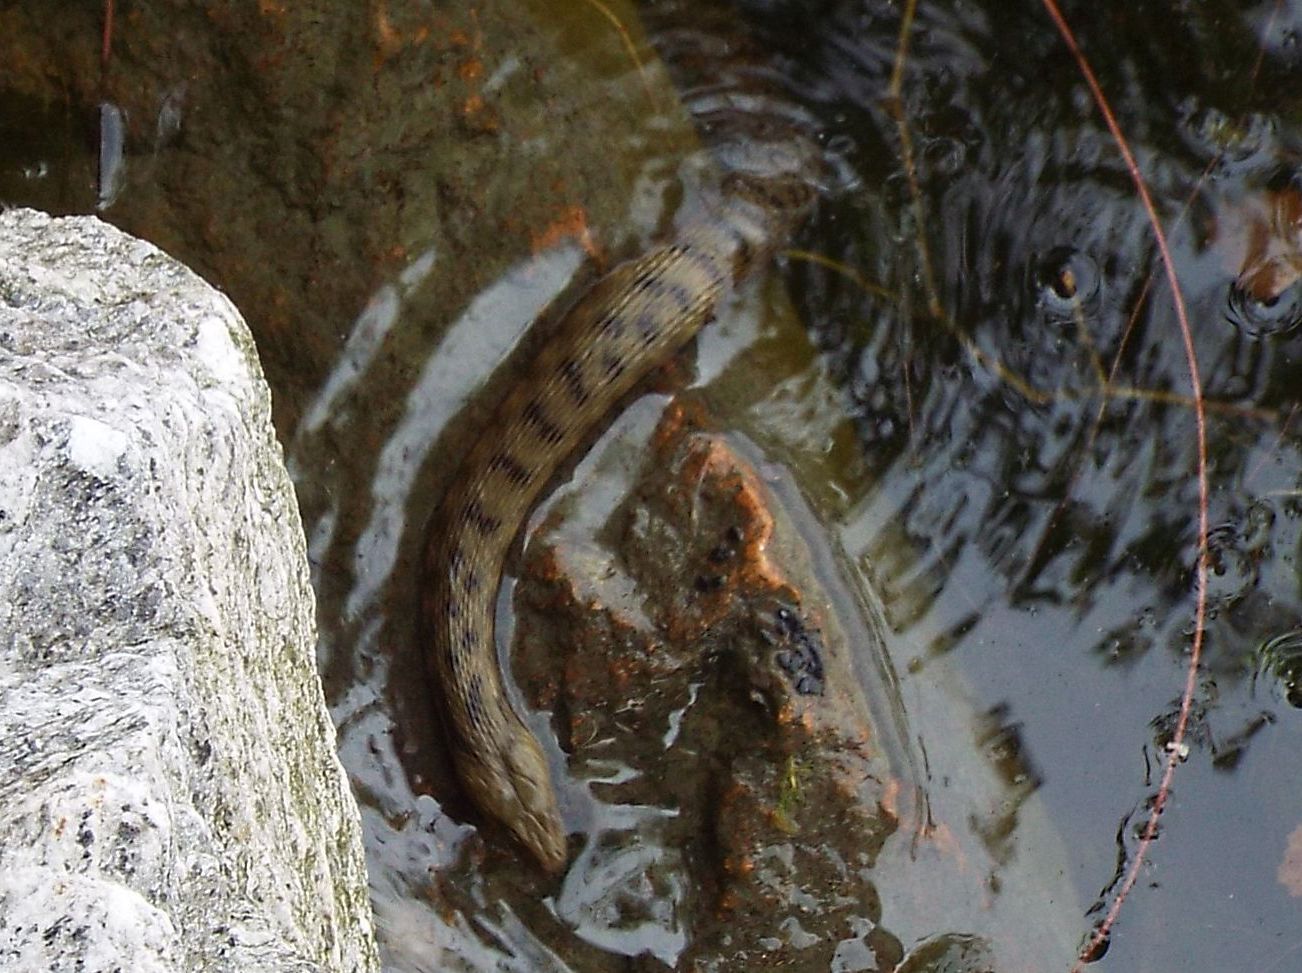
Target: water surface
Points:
(967, 372)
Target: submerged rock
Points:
(701, 684)
(741, 798)
(170, 798)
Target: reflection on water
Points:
(483, 335)
(1040, 444)
(974, 405)
(616, 870)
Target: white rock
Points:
(170, 798)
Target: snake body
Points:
(630, 321)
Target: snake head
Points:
(513, 785)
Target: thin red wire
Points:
(1104, 928)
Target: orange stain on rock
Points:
(741, 865)
(571, 223)
(678, 416)
(621, 672)
(387, 39)
(547, 566)
(714, 459)
(471, 69)
(477, 115)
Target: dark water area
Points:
(963, 387)
(1037, 434)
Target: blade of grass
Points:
(1102, 932)
(106, 42)
(629, 48)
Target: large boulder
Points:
(170, 797)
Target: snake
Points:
(630, 321)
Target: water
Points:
(973, 403)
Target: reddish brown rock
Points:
(692, 644)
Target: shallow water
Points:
(973, 402)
